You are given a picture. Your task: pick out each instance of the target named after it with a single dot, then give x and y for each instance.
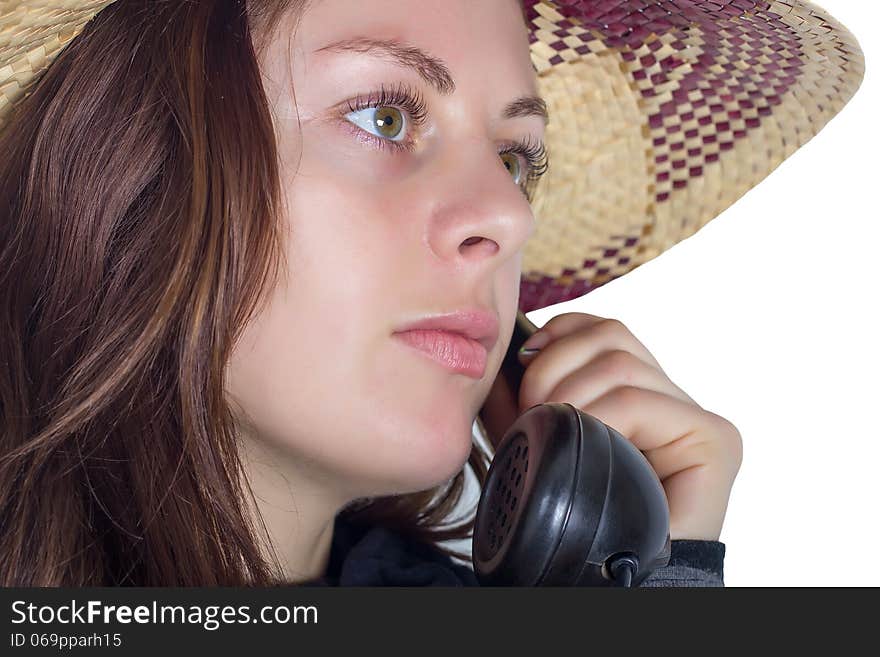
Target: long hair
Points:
(132, 253)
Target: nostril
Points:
(471, 240)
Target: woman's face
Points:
(376, 238)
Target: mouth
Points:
(460, 341)
(453, 351)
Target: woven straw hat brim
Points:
(662, 114)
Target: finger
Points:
(571, 352)
(647, 418)
(609, 370)
(606, 329)
(688, 451)
(719, 442)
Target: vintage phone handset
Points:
(567, 501)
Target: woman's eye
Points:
(388, 116)
(388, 122)
(511, 162)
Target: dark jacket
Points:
(376, 556)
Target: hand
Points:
(597, 365)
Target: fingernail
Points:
(536, 342)
(525, 356)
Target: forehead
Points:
(476, 42)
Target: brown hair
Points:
(132, 253)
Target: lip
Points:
(460, 341)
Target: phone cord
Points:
(623, 569)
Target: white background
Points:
(769, 317)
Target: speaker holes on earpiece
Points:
(505, 490)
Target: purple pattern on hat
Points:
(736, 27)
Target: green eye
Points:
(381, 121)
(511, 161)
(389, 121)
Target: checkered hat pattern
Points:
(662, 114)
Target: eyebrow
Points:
(432, 70)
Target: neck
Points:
(297, 507)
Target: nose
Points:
(479, 213)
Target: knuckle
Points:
(729, 438)
(613, 327)
(627, 394)
(562, 320)
(736, 447)
(612, 324)
(619, 364)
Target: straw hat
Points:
(662, 114)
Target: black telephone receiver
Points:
(568, 501)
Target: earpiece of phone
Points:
(567, 501)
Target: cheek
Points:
(319, 376)
(422, 420)
(332, 154)
(354, 417)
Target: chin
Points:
(434, 457)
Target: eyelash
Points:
(412, 102)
